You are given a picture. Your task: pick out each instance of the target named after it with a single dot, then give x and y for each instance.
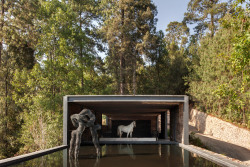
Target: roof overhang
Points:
(127, 104)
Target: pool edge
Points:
(25, 157)
(219, 159)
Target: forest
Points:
(52, 48)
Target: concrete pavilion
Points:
(164, 117)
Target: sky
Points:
(168, 11)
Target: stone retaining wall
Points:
(220, 129)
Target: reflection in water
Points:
(159, 150)
(75, 162)
(104, 150)
(97, 162)
(50, 160)
(121, 155)
(127, 150)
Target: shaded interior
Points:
(154, 119)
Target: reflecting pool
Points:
(122, 156)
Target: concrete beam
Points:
(125, 98)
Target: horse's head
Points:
(134, 124)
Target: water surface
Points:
(122, 156)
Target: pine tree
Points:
(128, 26)
(3, 9)
(206, 14)
(152, 76)
(176, 39)
(177, 33)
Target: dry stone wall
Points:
(220, 129)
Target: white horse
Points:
(127, 129)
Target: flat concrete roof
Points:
(124, 98)
(127, 104)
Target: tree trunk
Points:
(158, 71)
(6, 104)
(134, 73)
(1, 28)
(122, 59)
(243, 109)
(122, 75)
(81, 55)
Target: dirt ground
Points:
(221, 147)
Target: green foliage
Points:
(177, 33)
(49, 49)
(17, 32)
(220, 80)
(67, 65)
(166, 67)
(206, 14)
(128, 28)
(54, 56)
(152, 75)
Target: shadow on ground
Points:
(225, 148)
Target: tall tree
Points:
(153, 75)
(1, 28)
(206, 14)
(67, 65)
(176, 40)
(18, 38)
(177, 33)
(166, 66)
(128, 26)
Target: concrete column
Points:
(166, 125)
(65, 120)
(185, 121)
(173, 124)
(157, 123)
